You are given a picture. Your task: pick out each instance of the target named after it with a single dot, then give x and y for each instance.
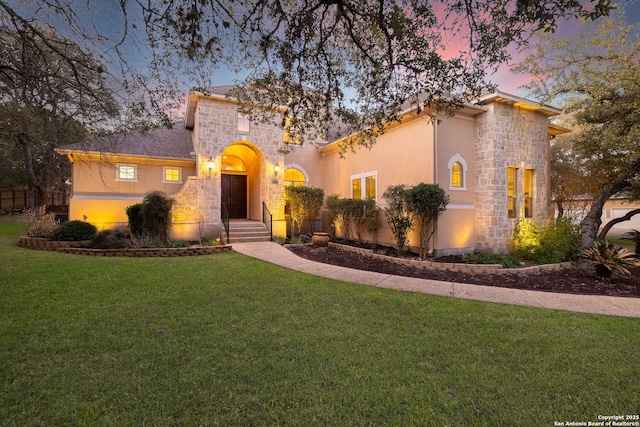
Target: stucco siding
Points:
(402, 155)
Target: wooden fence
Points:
(11, 200)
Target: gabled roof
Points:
(163, 143)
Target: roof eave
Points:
(518, 102)
(92, 153)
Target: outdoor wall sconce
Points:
(276, 169)
(211, 164)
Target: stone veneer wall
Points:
(216, 127)
(507, 136)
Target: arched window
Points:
(294, 177)
(457, 173)
(232, 164)
(457, 178)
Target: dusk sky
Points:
(506, 80)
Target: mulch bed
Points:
(571, 280)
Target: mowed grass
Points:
(232, 341)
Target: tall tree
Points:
(570, 191)
(359, 62)
(51, 94)
(596, 75)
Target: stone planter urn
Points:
(320, 239)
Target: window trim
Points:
(363, 184)
(164, 175)
(126, 165)
(457, 158)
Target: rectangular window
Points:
(512, 191)
(243, 123)
(365, 185)
(172, 175)
(529, 179)
(370, 187)
(356, 188)
(126, 172)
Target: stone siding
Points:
(215, 129)
(508, 136)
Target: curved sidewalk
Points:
(276, 254)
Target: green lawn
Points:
(228, 340)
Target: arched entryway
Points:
(240, 173)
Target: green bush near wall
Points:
(558, 241)
(75, 231)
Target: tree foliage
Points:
(569, 189)
(304, 203)
(51, 93)
(596, 75)
(425, 203)
(357, 62)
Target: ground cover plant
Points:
(230, 340)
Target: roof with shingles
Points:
(174, 143)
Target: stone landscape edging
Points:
(149, 252)
(457, 267)
(81, 248)
(44, 244)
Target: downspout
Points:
(434, 239)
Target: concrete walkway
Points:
(277, 254)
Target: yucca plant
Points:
(608, 258)
(633, 235)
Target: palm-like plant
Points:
(633, 235)
(607, 259)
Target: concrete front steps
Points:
(245, 231)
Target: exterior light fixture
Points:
(276, 169)
(211, 164)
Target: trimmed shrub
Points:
(353, 215)
(364, 213)
(555, 242)
(156, 214)
(152, 217)
(136, 221)
(397, 215)
(425, 203)
(74, 231)
(559, 242)
(339, 215)
(110, 239)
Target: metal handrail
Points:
(267, 219)
(225, 220)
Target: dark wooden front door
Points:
(234, 195)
